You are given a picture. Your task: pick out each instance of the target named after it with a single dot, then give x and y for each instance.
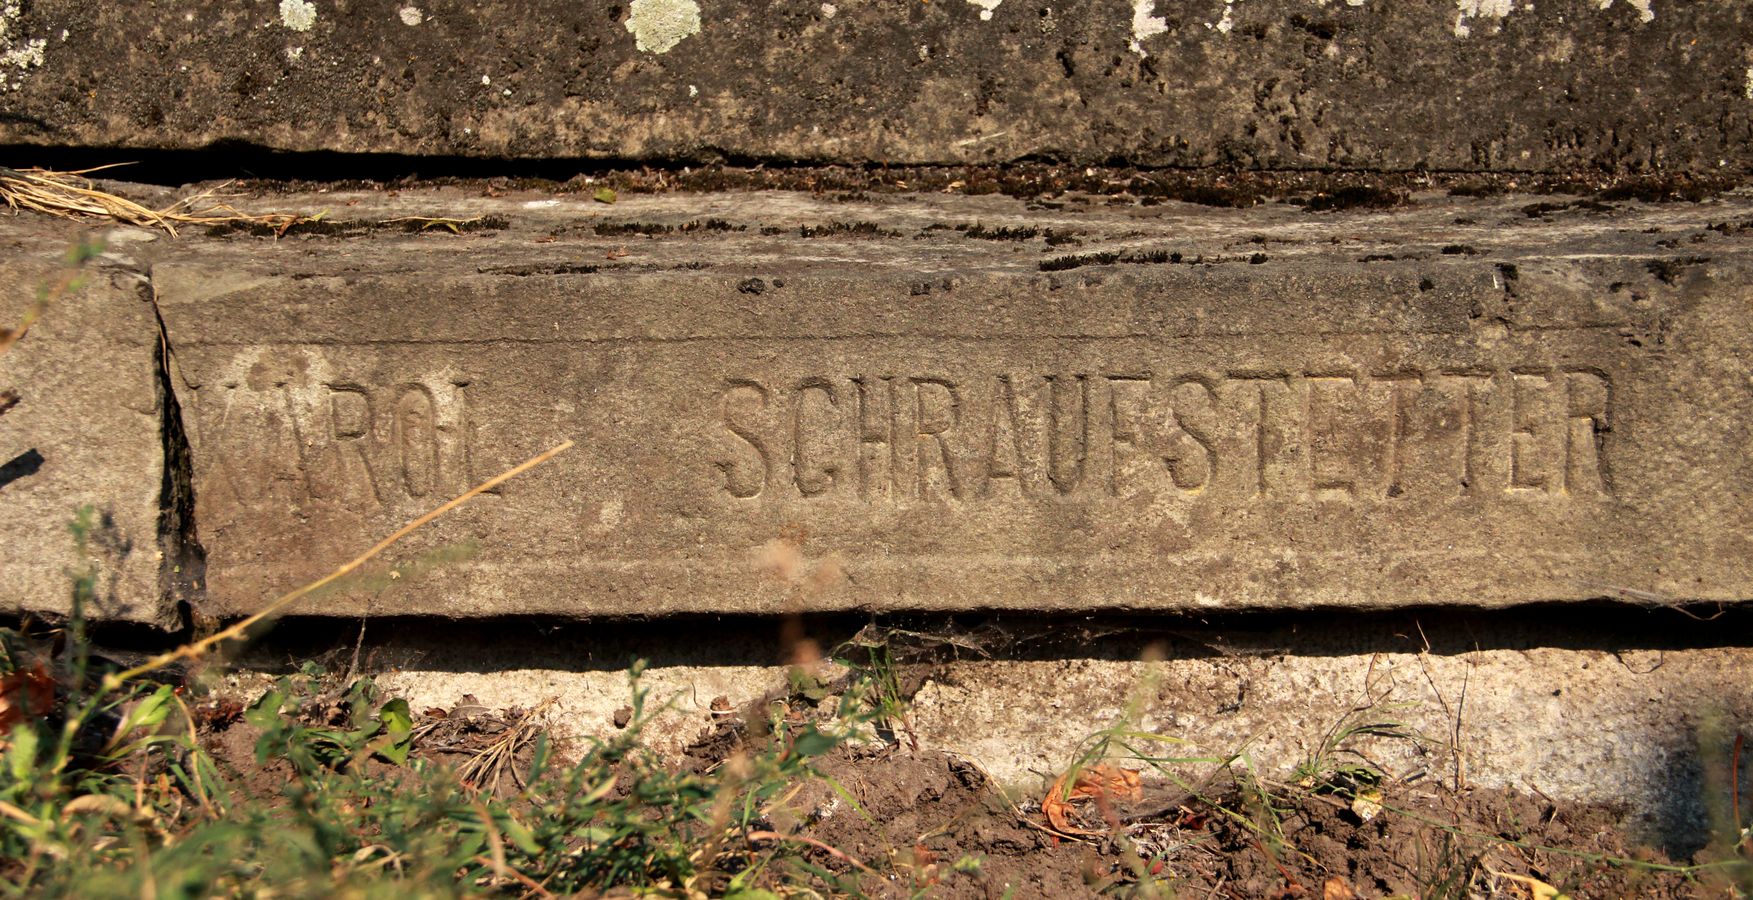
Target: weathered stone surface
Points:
(1633, 715)
(904, 405)
(1558, 86)
(85, 431)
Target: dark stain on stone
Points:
(846, 229)
(1668, 270)
(1360, 196)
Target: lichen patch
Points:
(658, 25)
(1468, 10)
(17, 56)
(1145, 23)
(1228, 22)
(411, 15)
(297, 15)
(987, 7)
(1645, 12)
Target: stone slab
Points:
(1642, 702)
(1635, 722)
(1560, 86)
(85, 431)
(889, 409)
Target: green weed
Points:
(100, 797)
(107, 788)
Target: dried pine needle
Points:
(71, 195)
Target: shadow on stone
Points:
(23, 465)
(715, 641)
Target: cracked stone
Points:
(85, 433)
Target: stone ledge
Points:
(783, 403)
(1602, 705)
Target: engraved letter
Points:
(1585, 470)
(1067, 407)
(416, 440)
(1276, 443)
(1004, 439)
(1403, 391)
(1123, 416)
(1534, 447)
(1475, 439)
(876, 438)
(351, 417)
(813, 475)
(744, 478)
(935, 418)
(1329, 438)
(1192, 453)
(466, 437)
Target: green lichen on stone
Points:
(658, 25)
(17, 55)
(297, 15)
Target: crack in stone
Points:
(182, 578)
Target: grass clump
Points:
(119, 792)
(113, 784)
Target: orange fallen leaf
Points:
(1337, 889)
(1101, 783)
(1537, 889)
(25, 693)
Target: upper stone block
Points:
(1567, 86)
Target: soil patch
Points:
(932, 821)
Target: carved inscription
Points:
(1529, 434)
(361, 446)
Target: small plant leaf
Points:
(265, 712)
(147, 712)
(398, 726)
(21, 757)
(813, 742)
(1366, 804)
(520, 834)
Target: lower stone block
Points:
(905, 417)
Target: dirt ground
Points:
(929, 811)
(898, 821)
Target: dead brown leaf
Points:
(1102, 784)
(23, 694)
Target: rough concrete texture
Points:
(1575, 709)
(1562, 85)
(85, 430)
(964, 403)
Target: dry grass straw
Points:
(485, 770)
(239, 629)
(71, 195)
